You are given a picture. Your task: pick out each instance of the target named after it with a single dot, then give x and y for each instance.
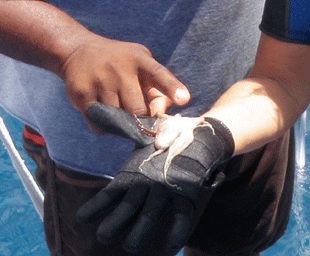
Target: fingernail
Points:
(181, 95)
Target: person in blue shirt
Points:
(149, 57)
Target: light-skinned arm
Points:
(262, 107)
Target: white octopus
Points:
(175, 134)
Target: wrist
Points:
(66, 48)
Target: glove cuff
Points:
(224, 135)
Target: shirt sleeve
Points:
(287, 20)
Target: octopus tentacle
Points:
(174, 133)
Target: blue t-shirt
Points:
(207, 44)
(287, 20)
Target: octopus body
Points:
(175, 134)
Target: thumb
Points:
(158, 76)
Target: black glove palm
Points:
(141, 196)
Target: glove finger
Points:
(118, 122)
(118, 220)
(155, 208)
(182, 225)
(100, 204)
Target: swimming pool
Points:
(21, 229)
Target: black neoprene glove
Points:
(140, 195)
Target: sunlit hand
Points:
(121, 74)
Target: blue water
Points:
(21, 229)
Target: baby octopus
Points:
(172, 133)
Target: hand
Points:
(95, 69)
(121, 74)
(140, 195)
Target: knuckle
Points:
(158, 70)
(80, 94)
(142, 48)
(79, 98)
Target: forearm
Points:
(93, 67)
(38, 33)
(261, 108)
(255, 116)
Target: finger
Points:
(80, 88)
(181, 228)
(133, 98)
(154, 209)
(162, 79)
(122, 90)
(80, 95)
(109, 97)
(114, 225)
(158, 102)
(100, 204)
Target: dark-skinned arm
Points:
(95, 68)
